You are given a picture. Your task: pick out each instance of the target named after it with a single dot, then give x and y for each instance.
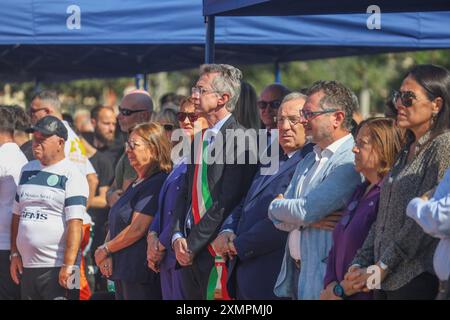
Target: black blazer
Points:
(228, 184)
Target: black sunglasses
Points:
(274, 104)
(129, 112)
(168, 126)
(181, 116)
(406, 97)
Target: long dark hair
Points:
(435, 80)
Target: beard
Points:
(104, 140)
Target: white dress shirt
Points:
(322, 156)
(216, 128)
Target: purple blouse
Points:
(350, 233)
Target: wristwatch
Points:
(338, 291)
(13, 255)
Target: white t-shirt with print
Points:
(47, 198)
(75, 151)
(12, 160)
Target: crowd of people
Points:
(103, 208)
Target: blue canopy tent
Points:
(50, 40)
(302, 7)
(211, 8)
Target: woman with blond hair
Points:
(123, 256)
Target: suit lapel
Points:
(171, 178)
(292, 161)
(215, 170)
(161, 197)
(178, 171)
(255, 184)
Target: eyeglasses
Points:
(132, 144)
(129, 112)
(309, 115)
(181, 116)
(274, 104)
(196, 92)
(292, 120)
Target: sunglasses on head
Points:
(129, 112)
(181, 116)
(274, 104)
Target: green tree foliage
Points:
(378, 74)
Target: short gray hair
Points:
(228, 81)
(294, 96)
(50, 97)
(338, 96)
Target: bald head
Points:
(138, 98)
(268, 103)
(136, 107)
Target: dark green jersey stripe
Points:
(74, 201)
(43, 178)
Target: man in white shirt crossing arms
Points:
(321, 185)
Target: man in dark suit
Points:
(211, 190)
(248, 237)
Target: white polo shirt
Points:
(12, 160)
(48, 197)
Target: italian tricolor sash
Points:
(201, 202)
